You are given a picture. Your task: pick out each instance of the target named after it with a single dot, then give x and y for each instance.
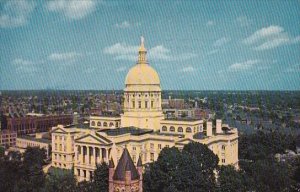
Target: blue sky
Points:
(200, 45)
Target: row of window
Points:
(60, 165)
(105, 124)
(60, 147)
(85, 174)
(146, 95)
(179, 129)
(139, 103)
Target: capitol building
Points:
(142, 129)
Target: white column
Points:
(101, 154)
(94, 156)
(82, 154)
(106, 155)
(76, 153)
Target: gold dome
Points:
(142, 73)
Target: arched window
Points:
(172, 129)
(105, 124)
(111, 124)
(188, 130)
(164, 128)
(93, 123)
(180, 129)
(98, 123)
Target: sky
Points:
(193, 45)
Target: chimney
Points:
(208, 128)
(218, 126)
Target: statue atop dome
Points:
(142, 52)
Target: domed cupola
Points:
(142, 95)
(142, 73)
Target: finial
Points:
(142, 40)
(142, 52)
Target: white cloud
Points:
(70, 56)
(20, 61)
(24, 66)
(269, 38)
(221, 42)
(122, 51)
(188, 69)
(127, 24)
(293, 69)
(243, 65)
(212, 52)
(72, 9)
(16, 13)
(243, 21)
(210, 23)
(121, 69)
(124, 24)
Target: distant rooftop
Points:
(106, 115)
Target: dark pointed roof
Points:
(139, 163)
(111, 163)
(125, 164)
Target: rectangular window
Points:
(133, 148)
(159, 146)
(140, 104)
(78, 172)
(152, 104)
(146, 104)
(223, 160)
(152, 156)
(151, 145)
(55, 146)
(133, 104)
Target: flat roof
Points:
(126, 130)
(181, 119)
(42, 140)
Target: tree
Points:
(33, 176)
(189, 170)
(231, 180)
(59, 180)
(2, 152)
(100, 181)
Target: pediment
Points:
(91, 139)
(58, 130)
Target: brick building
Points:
(8, 138)
(33, 123)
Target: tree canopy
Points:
(191, 169)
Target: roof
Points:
(182, 119)
(126, 130)
(41, 140)
(125, 164)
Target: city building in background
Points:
(33, 122)
(8, 138)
